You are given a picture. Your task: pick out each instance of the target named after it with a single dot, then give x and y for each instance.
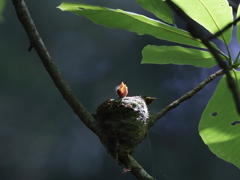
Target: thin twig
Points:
(186, 96)
(30, 48)
(196, 32)
(37, 43)
(224, 29)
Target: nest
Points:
(124, 123)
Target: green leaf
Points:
(177, 55)
(159, 8)
(238, 24)
(2, 5)
(211, 14)
(219, 126)
(132, 22)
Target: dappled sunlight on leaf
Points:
(218, 126)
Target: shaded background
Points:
(41, 137)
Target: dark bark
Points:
(86, 117)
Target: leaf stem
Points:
(229, 54)
(222, 53)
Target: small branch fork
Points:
(86, 117)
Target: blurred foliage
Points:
(2, 6)
(41, 138)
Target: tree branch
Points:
(138, 171)
(196, 32)
(36, 42)
(87, 118)
(224, 29)
(186, 96)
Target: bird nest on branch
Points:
(124, 122)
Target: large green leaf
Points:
(211, 14)
(219, 126)
(177, 55)
(159, 8)
(132, 22)
(2, 5)
(238, 25)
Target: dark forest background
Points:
(40, 136)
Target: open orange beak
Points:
(122, 90)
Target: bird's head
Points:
(121, 90)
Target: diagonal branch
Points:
(37, 43)
(138, 170)
(224, 29)
(87, 118)
(196, 32)
(186, 96)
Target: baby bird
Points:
(121, 90)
